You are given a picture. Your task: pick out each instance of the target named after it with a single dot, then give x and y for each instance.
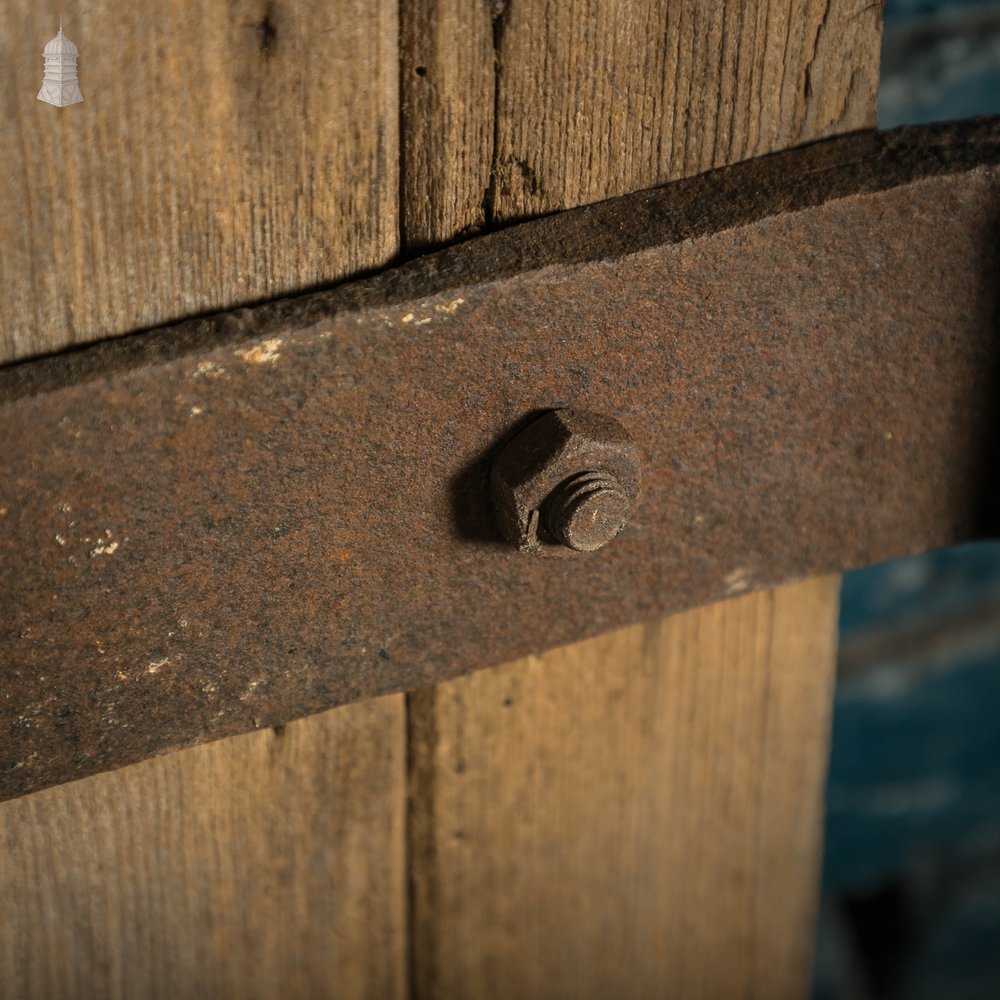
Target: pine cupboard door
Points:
(635, 815)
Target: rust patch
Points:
(803, 349)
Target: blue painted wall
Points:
(911, 877)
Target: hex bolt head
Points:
(570, 478)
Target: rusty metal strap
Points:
(240, 520)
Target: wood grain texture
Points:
(600, 97)
(266, 865)
(448, 90)
(634, 816)
(224, 153)
(638, 815)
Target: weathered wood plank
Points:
(447, 87)
(637, 815)
(223, 153)
(266, 865)
(634, 816)
(601, 97)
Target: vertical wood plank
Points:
(639, 815)
(447, 88)
(223, 153)
(265, 865)
(600, 97)
(633, 816)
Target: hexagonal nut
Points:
(570, 478)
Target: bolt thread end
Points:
(587, 510)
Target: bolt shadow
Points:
(469, 490)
